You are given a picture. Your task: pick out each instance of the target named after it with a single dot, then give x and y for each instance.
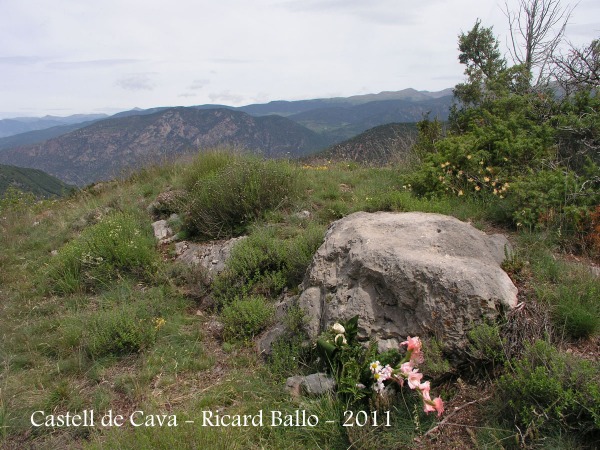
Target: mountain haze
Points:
(81, 152)
(17, 125)
(106, 148)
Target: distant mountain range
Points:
(99, 148)
(17, 125)
(108, 148)
(31, 180)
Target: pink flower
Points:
(434, 405)
(414, 379)
(428, 407)
(386, 373)
(417, 357)
(414, 349)
(406, 367)
(424, 388)
(412, 343)
(398, 377)
(438, 405)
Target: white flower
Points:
(375, 366)
(340, 336)
(338, 328)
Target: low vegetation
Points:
(111, 323)
(95, 316)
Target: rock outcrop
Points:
(212, 256)
(407, 274)
(167, 203)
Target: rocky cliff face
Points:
(111, 147)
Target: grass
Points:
(125, 333)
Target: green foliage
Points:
(533, 154)
(578, 130)
(246, 317)
(119, 332)
(204, 165)
(15, 200)
(33, 181)
(428, 133)
(265, 263)
(126, 321)
(486, 348)
(479, 52)
(347, 360)
(290, 354)
(555, 199)
(225, 202)
(116, 246)
(547, 391)
(576, 308)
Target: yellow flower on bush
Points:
(159, 322)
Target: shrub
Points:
(225, 202)
(576, 309)
(115, 246)
(556, 199)
(206, 164)
(16, 200)
(486, 348)
(265, 263)
(246, 317)
(125, 320)
(119, 332)
(550, 391)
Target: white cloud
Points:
(225, 97)
(136, 82)
(92, 64)
(122, 53)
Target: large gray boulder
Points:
(407, 274)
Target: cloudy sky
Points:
(63, 57)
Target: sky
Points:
(65, 57)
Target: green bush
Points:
(557, 199)
(486, 348)
(115, 246)
(246, 317)
(550, 391)
(576, 308)
(206, 164)
(119, 332)
(124, 320)
(225, 202)
(16, 200)
(289, 352)
(266, 263)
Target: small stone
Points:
(303, 214)
(292, 384)
(162, 230)
(318, 384)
